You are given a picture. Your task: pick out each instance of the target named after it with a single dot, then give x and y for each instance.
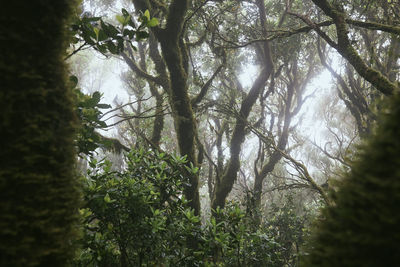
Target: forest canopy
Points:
(201, 133)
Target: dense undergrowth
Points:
(139, 217)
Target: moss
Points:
(174, 54)
(39, 190)
(362, 229)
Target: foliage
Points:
(195, 39)
(231, 239)
(290, 228)
(140, 217)
(361, 229)
(88, 108)
(107, 38)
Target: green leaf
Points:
(91, 102)
(195, 219)
(102, 124)
(152, 23)
(132, 24)
(96, 31)
(102, 36)
(85, 212)
(109, 29)
(92, 19)
(87, 36)
(88, 31)
(102, 48)
(96, 96)
(147, 14)
(107, 199)
(129, 33)
(140, 35)
(93, 162)
(74, 80)
(112, 48)
(124, 12)
(156, 212)
(120, 19)
(74, 40)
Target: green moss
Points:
(39, 190)
(362, 229)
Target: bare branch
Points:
(300, 167)
(124, 105)
(132, 65)
(197, 99)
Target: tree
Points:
(378, 50)
(225, 184)
(210, 28)
(195, 56)
(174, 53)
(137, 216)
(361, 229)
(336, 11)
(38, 185)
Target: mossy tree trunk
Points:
(174, 54)
(274, 158)
(292, 103)
(354, 96)
(346, 49)
(39, 193)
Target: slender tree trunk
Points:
(276, 155)
(224, 185)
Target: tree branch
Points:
(197, 99)
(132, 65)
(344, 47)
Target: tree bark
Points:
(39, 189)
(344, 47)
(175, 57)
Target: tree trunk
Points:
(38, 185)
(345, 48)
(175, 56)
(224, 186)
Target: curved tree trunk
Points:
(175, 56)
(224, 186)
(39, 194)
(346, 49)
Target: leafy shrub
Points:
(90, 118)
(231, 239)
(139, 217)
(290, 229)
